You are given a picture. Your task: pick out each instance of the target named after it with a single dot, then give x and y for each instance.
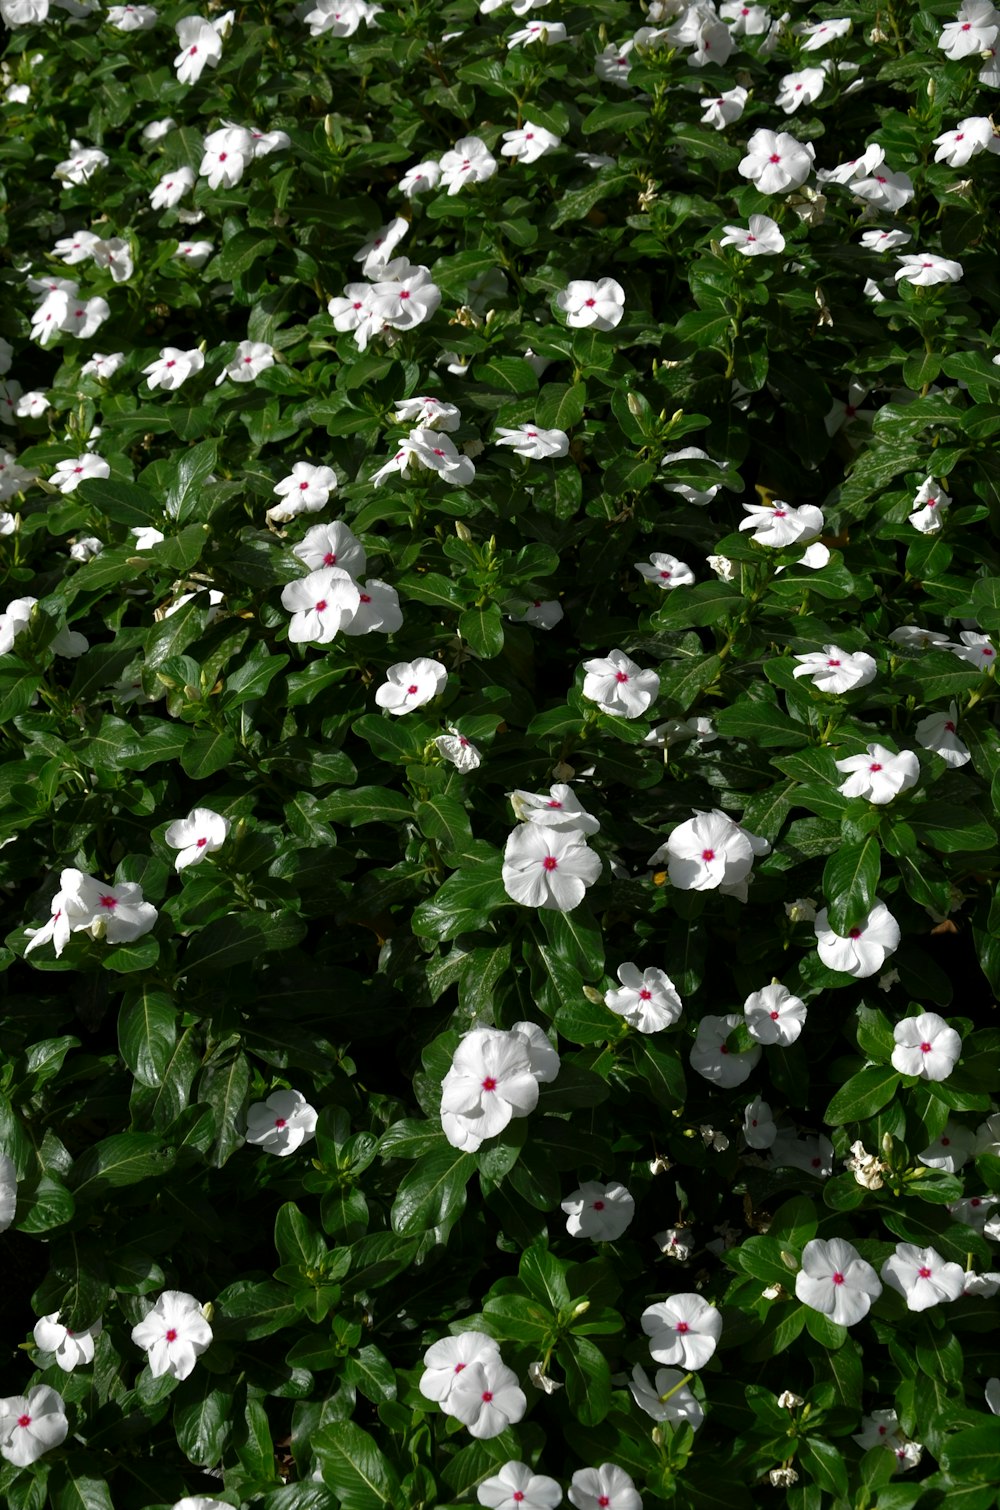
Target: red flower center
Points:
(875, 767)
(645, 995)
(621, 676)
(833, 663)
(774, 1016)
(280, 1122)
(329, 559)
(487, 1395)
(321, 606)
(489, 1084)
(774, 158)
(708, 854)
(682, 1327)
(200, 843)
(589, 303)
(603, 1501)
(109, 903)
(950, 726)
(925, 1048)
(364, 597)
(550, 863)
(517, 1496)
(598, 1206)
(855, 933)
(412, 691)
(171, 1336)
(459, 1367)
(24, 1420)
(924, 1273)
(837, 1278)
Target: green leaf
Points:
(825, 1464)
(482, 630)
(147, 1032)
(124, 502)
(208, 753)
(202, 1419)
(575, 937)
(354, 1467)
(76, 1484)
(516, 1318)
(296, 1239)
(588, 1379)
(444, 819)
(544, 1276)
(850, 881)
(122, 1159)
(240, 252)
(560, 406)
(951, 829)
(862, 1095)
(972, 1455)
(465, 903)
(367, 804)
(223, 1085)
(433, 1192)
(511, 374)
(242, 937)
(370, 1372)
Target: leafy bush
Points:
(328, 1049)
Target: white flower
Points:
(925, 1046)
(819, 33)
(880, 1429)
(404, 296)
(813, 1155)
(228, 153)
(929, 504)
(975, 29)
(984, 1285)
(201, 833)
(988, 1136)
(710, 850)
(146, 536)
(955, 1147)
(431, 452)
(529, 143)
(648, 1000)
(250, 359)
(665, 571)
(762, 239)
(157, 130)
(924, 268)
(745, 20)
(974, 1211)
(668, 1398)
(378, 610)
(8, 1191)
(878, 775)
(546, 32)
(428, 413)
(171, 189)
(340, 18)
(103, 366)
(469, 162)
(68, 1348)
(618, 686)
(605, 1488)
(884, 241)
(83, 319)
(532, 442)
(683, 1330)
(446, 1359)
(515, 1487)
(376, 253)
(410, 684)
(676, 730)
(487, 1399)
(722, 110)
(458, 751)
(80, 168)
(977, 649)
(17, 94)
(282, 1123)
(802, 88)
(916, 638)
(174, 1333)
(599, 1212)
(596, 306)
(547, 867)
(882, 187)
(201, 46)
(699, 496)
(774, 1015)
(835, 670)
(969, 137)
(32, 405)
(613, 65)
(675, 1242)
(330, 544)
(539, 614)
(758, 1124)
(173, 367)
(494, 1076)
(320, 604)
(420, 178)
(85, 548)
(196, 253)
(714, 1060)
(305, 490)
(75, 248)
(31, 1425)
(834, 1280)
(131, 17)
(775, 162)
(69, 474)
(922, 1277)
(865, 949)
(560, 809)
(779, 524)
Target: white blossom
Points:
(560, 808)
(331, 545)
(618, 686)
(711, 850)
(977, 649)
(929, 504)
(410, 684)
(924, 269)
(201, 833)
(487, 1399)
(599, 1212)
(173, 367)
(922, 1276)
(305, 490)
(419, 179)
(605, 1488)
(800, 88)
(320, 604)
(878, 775)
(955, 1146)
(667, 1398)
(647, 1000)
(201, 47)
(529, 142)
(866, 947)
(31, 1425)
(458, 751)
(281, 1124)
(724, 109)
(597, 306)
(925, 1046)
(532, 442)
(69, 1349)
(515, 1487)
(548, 33)
(759, 1128)
(547, 867)
(174, 1333)
(775, 162)
(975, 29)
(761, 239)
(712, 1058)
(469, 162)
(774, 1015)
(836, 1281)
(835, 670)
(682, 1331)
(450, 1356)
(778, 524)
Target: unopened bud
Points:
(887, 1145)
(463, 532)
(580, 1307)
(635, 407)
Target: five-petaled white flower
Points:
(865, 948)
(539, 613)
(599, 1212)
(683, 1330)
(458, 751)
(667, 1398)
(774, 1015)
(977, 649)
(975, 29)
(813, 1155)
(494, 1076)
(971, 136)
(775, 162)
(174, 1333)
(426, 450)
(929, 504)
(201, 833)
(419, 179)
(532, 442)
(331, 545)
(379, 248)
(201, 46)
(340, 18)
(428, 413)
(548, 33)
(529, 142)
(450, 1356)
(320, 604)
(879, 774)
(547, 867)
(282, 1123)
(759, 1127)
(665, 571)
(173, 367)
(711, 850)
(227, 155)
(69, 474)
(171, 188)
(515, 1487)
(82, 166)
(925, 1046)
(761, 239)
(250, 359)
(305, 490)
(936, 732)
(835, 670)
(954, 1148)
(922, 1276)
(618, 686)
(605, 1488)
(924, 269)
(722, 110)
(801, 88)
(469, 162)
(647, 1000)
(712, 1057)
(593, 306)
(559, 808)
(819, 33)
(410, 684)
(132, 17)
(884, 241)
(487, 1399)
(778, 524)
(69, 1349)
(835, 1280)
(31, 1425)
(196, 253)
(884, 189)
(76, 248)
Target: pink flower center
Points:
(553, 803)
(597, 1206)
(329, 559)
(950, 726)
(550, 863)
(200, 843)
(24, 1420)
(603, 1501)
(833, 663)
(489, 1084)
(487, 1395)
(875, 766)
(192, 51)
(517, 1496)
(855, 933)
(459, 1367)
(171, 1336)
(945, 1142)
(621, 677)
(364, 597)
(405, 294)
(412, 691)
(280, 1122)
(775, 157)
(665, 575)
(109, 903)
(925, 1048)
(883, 1430)
(774, 1016)
(837, 1278)
(924, 1273)
(778, 513)
(321, 606)
(303, 487)
(171, 363)
(975, 1203)
(589, 303)
(682, 1327)
(708, 854)
(645, 995)
(987, 650)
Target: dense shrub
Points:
(500, 573)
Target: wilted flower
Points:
(879, 775)
(174, 1333)
(866, 947)
(925, 1046)
(599, 1212)
(459, 751)
(282, 1123)
(648, 999)
(836, 1281)
(866, 1167)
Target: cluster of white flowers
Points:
(711, 851)
(546, 860)
(118, 914)
(63, 310)
(494, 1077)
(469, 1380)
(402, 297)
(331, 599)
(228, 153)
